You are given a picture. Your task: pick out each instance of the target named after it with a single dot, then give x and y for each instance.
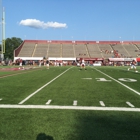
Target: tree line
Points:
(10, 45)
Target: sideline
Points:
(32, 94)
(118, 82)
(19, 72)
(126, 109)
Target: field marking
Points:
(103, 80)
(18, 72)
(0, 99)
(127, 80)
(32, 94)
(75, 103)
(49, 101)
(102, 103)
(126, 109)
(118, 82)
(87, 78)
(130, 104)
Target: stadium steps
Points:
(132, 49)
(34, 50)
(122, 52)
(41, 50)
(106, 50)
(27, 50)
(93, 50)
(126, 49)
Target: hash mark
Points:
(49, 101)
(130, 104)
(102, 103)
(75, 103)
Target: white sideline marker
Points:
(102, 103)
(130, 104)
(126, 109)
(75, 103)
(49, 101)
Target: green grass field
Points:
(66, 103)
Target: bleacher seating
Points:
(94, 51)
(122, 52)
(78, 49)
(138, 50)
(131, 49)
(106, 50)
(54, 50)
(138, 46)
(41, 50)
(27, 50)
(67, 50)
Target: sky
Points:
(94, 20)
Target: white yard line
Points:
(130, 104)
(43, 87)
(71, 107)
(118, 82)
(102, 103)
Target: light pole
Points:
(3, 35)
(121, 39)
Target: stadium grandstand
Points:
(75, 50)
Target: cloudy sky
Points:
(72, 19)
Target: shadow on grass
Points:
(108, 126)
(43, 136)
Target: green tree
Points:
(0, 48)
(10, 45)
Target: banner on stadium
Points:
(50, 58)
(123, 59)
(116, 59)
(62, 58)
(129, 59)
(91, 59)
(138, 59)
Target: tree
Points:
(0, 48)
(10, 45)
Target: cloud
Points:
(34, 23)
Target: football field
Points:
(64, 103)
